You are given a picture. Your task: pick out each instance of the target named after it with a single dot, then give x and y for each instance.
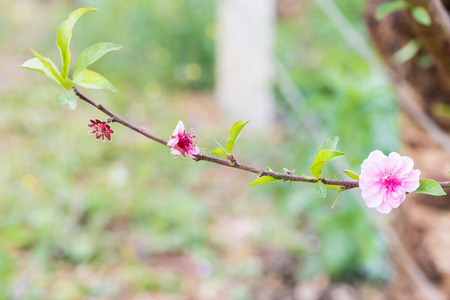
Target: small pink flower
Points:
(183, 142)
(385, 180)
(101, 129)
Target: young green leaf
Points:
(408, 51)
(52, 71)
(92, 54)
(329, 144)
(235, 132)
(220, 151)
(321, 189)
(321, 159)
(430, 187)
(352, 174)
(263, 179)
(67, 98)
(307, 176)
(421, 15)
(92, 80)
(36, 65)
(65, 35)
(337, 196)
(386, 8)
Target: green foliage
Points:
(65, 35)
(325, 153)
(220, 151)
(430, 187)
(47, 67)
(329, 144)
(263, 179)
(92, 80)
(335, 199)
(92, 54)
(352, 174)
(235, 133)
(408, 51)
(81, 76)
(68, 98)
(421, 15)
(385, 8)
(321, 189)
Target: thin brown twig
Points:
(232, 164)
(344, 184)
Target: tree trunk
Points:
(422, 222)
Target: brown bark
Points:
(423, 223)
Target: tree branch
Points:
(200, 157)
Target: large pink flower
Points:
(183, 142)
(385, 180)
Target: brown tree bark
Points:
(423, 222)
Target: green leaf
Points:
(386, 8)
(321, 189)
(92, 54)
(337, 196)
(220, 151)
(352, 174)
(421, 15)
(430, 187)
(263, 179)
(329, 144)
(65, 35)
(269, 169)
(46, 67)
(235, 132)
(321, 159)
(92, 80)
(68, 98)
(408, 51)
(307, 176)
(36, 65)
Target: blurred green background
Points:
(82, 219)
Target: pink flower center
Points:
(186, 142)
(390, 182)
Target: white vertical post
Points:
(245, 62)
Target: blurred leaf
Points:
(386, 8)
(92, 54)
(337, 196)
(321, 159)
(92, 80)
(263, 179)
(329, 144)
(235, 132)
(307, 176)
(65, 35)
(430, 187)
(352, 174)
(321, 189)
(220, 151)
(421, 15)
(407, 52)
(68, 98)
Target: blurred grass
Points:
(81, 218)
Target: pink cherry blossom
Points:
(385, 180)
(183, 142)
